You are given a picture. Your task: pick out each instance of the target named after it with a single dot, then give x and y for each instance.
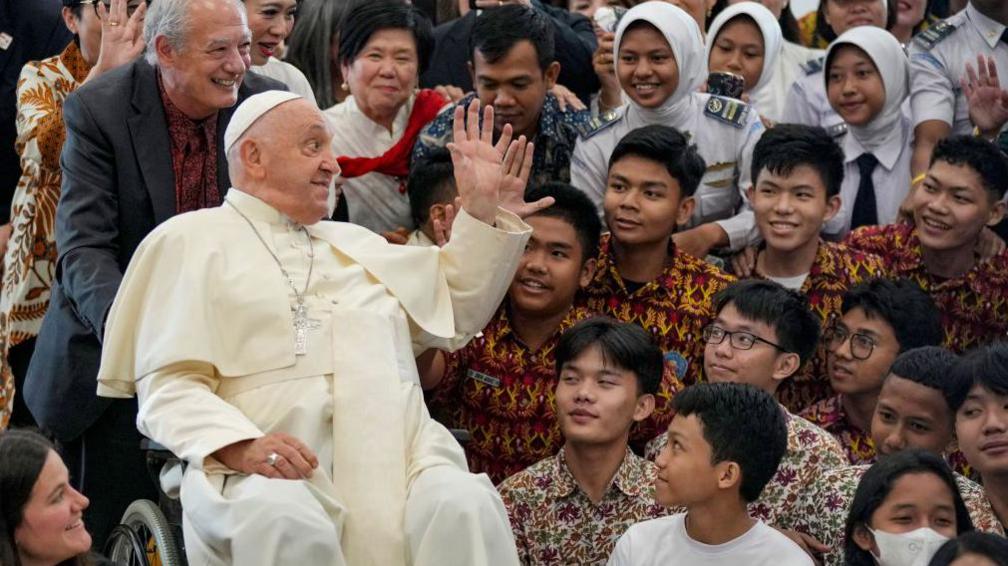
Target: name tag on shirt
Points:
(5, 40)
(483, 378)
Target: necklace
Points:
(302, 324)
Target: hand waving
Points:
(988, 102)
(122, 36)
(517, 168)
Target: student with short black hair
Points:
(905, 507)
(914, 411)
(641, 275)
(962, 193)
(500, 385)
(432, 193)
(797, 173)
(973, 547)
(880, 319)
(982, 421)
(513, 64)
(574, 505)
(762, 335)
(725, 443)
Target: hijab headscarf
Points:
(773, 39)
(894, 68)
(683, 36)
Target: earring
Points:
(344, 86)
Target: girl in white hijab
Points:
(867, 78)
(660, 64)
(745, 39)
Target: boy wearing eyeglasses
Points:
(797, 171)
(881, 318)
(762, 335)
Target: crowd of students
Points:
(753, 327)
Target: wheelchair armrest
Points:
(149, 445)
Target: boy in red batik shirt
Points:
(881, 319)
(500, 386)
(962, 194)
(641, 276)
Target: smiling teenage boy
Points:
(798, 171)
(724, 445)
(962, 194)
(881, 319)
(641, 276)
(500, 386)
(762, 336)
(571, 507)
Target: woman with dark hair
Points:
(973, 549)
(822, 26)
(40, 513)
(107, 33)
(384, 47)
(313, 47)
(905, 507)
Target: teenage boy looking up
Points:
(961, 194)
(881, 319)
(982, 421)
(513, 68)
(571, 507)
(500, 386)
(724, 445)
(798, 171)
(641, 276)
(762, 335)
(914, 411)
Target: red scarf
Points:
(396, 161)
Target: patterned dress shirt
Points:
(974, 306)
(831, 416)
(30, 261)
(674, 308)
(836, 269)
(193, 155)
(811, 452)
(824, 505)
(555, 522)
(554, 140)
(504, 394)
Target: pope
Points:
(273, 352)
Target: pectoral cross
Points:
(302, 324)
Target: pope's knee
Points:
(448, 492)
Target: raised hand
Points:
(122, 36)
(479, 174)
(988, 102)
(517, 168)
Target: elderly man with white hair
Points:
(143, 143)
(274, 353)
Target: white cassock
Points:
(202, 328)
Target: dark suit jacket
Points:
(574, 41)
(118, 184)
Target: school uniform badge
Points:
(727, 110)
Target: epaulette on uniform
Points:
(727, 110)
(837, 130)
(935, 34)
(599, 123)
(813, 65)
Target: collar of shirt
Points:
(887, 154)
(630, 478)
(362, 125)
(256, 209)
(182, 129)
(606, 269)
(911, 260)
(990, 31)
(500, 325)
(74, 61)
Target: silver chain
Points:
(290, 280)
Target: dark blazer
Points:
(574, 42)
(118, 184)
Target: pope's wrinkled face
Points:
(203, 76)
(297, 161)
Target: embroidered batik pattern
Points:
(829, 415)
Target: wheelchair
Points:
(150, 534)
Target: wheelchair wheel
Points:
(143, 538)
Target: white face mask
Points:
(914, 548)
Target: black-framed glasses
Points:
(861, 345)
(713, 334)
(130, 8)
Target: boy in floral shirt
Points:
(881, 318)
(641, 276)
(570, 508)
